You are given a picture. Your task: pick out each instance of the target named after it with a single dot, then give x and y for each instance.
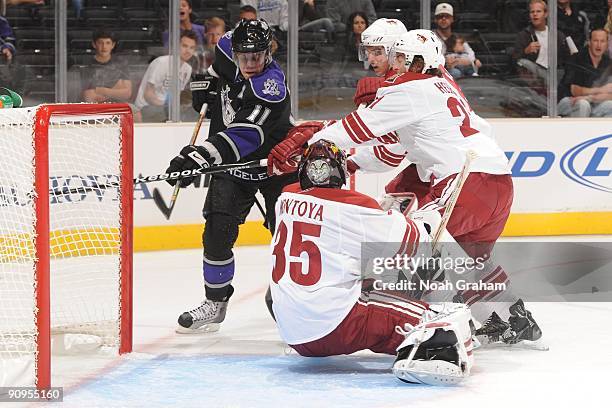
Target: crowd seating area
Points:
(490, 27)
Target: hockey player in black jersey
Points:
(250, 113)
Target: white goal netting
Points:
(85, 233)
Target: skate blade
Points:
(538, 345)
(206, 328)
(432, 372)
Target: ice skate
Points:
(520, 328)
(205, 318)
(439, 350)
(492, 329)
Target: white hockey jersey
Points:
(424, 118)
(317, 253)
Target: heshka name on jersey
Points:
(445, 88)
(300, 208)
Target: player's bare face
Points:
(251, 63)
(378, 60)
(188, 47)
(416, 66)
(399, 64)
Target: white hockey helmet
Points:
(383, 32)
(423, 43)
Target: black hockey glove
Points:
(191, 157)
(203, 89)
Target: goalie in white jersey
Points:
(316, 283)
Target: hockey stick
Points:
(157, 197)
(448, 211)
(164, 176)
(450, 204)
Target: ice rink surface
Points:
(245, 364)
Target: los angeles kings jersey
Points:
(421, 117)
(317, 255)
(250, 116)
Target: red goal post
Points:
(82, 242)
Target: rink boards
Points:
(561, 171)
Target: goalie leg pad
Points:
(439, 350)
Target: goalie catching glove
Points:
(203, 89)
(193, 157)
(284, 157)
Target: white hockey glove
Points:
(431, 219)
(402, 202)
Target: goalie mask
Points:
(252, 38)
(420, 43)
(323, 164)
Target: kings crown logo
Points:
(271, 87)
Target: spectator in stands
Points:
(275, 12)
(186, 24)
(310, 19)
(247, 13)
(339, 12)
(357, 22)
(531, 46)
(215, 28)
(573, 22)
(444, 18)
(458, 61)
(600, 20)
(586, 88)
(7, 41)
(153, 96)
(105, 78)
(608, 28)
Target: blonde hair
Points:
(608, 26)
(214, 22)
(538, 1)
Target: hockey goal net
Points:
(65, 256)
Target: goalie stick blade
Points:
(161, 204)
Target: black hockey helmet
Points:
(251, 36)
(323, 164)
